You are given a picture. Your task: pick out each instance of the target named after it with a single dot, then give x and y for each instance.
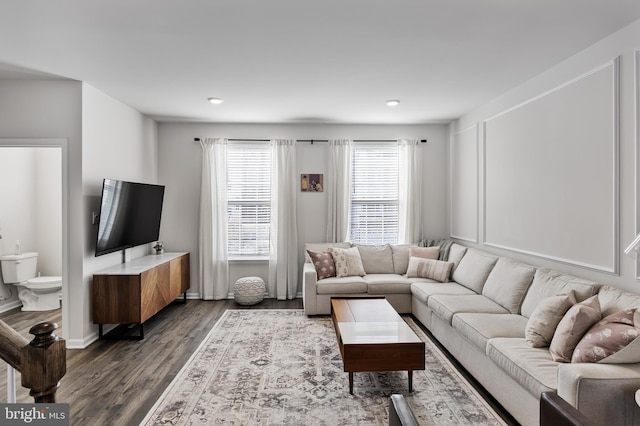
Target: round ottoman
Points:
(249, 290)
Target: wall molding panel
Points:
(465, 184)
(637, 149)
(551, 173)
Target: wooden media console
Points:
(132, 292)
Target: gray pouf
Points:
(249, 290)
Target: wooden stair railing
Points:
(41, 362)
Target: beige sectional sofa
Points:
(481, 315)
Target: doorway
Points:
(33, 215)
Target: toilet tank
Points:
(17, 268)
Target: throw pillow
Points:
(575, 323)
(323, 262)
(425, 252)
(347, 261)
(429, 268)
(545, 318)
(613, 340)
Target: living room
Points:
(105, 137)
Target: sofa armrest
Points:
(555, 411)
(309, 281)
(605, 393)
(400, 413)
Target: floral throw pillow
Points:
(348, 262)
(323, 262)
(613, 340)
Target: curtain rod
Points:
(311, 140)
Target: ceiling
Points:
(296, 61)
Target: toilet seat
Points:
(44, 283)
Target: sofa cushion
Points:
(613, 300)
(341, 285)
(348, 262)
(533, 368)
(387, 284)
(446, 306)
(425, 252)
(322, 247)
(429, 268)
(400, 254)
(545, 318)
(473, 269)
(508, 282)
(376, 259)
(547, 282)
(575, 323)
(479, 328)
(613, 340)
(456, 252)
(422, 290)
(323, 263)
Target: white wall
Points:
(119, 143)
(612, 195)
(48, 210)
(179, 169)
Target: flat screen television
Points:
(130, 215)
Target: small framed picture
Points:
(311, 182)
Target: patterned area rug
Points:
(280, 367)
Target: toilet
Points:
(35, 293)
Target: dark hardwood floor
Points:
(116, 382)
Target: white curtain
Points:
(338, 188)
(283, 244)
(410, 191)
(214, 268)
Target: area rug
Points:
(280, 367)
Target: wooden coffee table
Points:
(373, 337)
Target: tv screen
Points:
(130, 215)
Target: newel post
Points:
(44, 362)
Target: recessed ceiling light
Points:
(392, 102)
(216, 101)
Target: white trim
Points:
(636, 186)
(613, 62)
(11, 305)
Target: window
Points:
(374, 193)
(248, 198)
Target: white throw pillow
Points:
(429, 268)
(348, 262)
(545, 318)
(425, 252)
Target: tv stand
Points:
(132, 292)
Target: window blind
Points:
(248, 198)
(374, 194)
